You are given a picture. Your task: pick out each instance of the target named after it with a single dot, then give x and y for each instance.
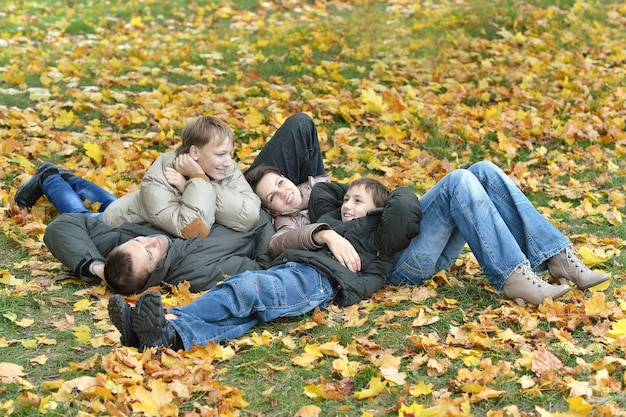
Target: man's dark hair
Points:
(255, 175)
(119, 274)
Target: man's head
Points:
(277, 193)
(210, 142)
(129, 265)
(363, 194)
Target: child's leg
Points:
(87, 190)
(63, 197)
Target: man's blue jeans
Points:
(483, 207)
(234, 306)
(67, 195)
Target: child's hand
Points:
(186, 165)
(340, 247)
(175, 179)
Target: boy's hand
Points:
(175, 179)
(341, 248)
(187, 166)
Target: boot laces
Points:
(574, 260)
(531, 276)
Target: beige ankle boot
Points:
(523, 286)
(565, 265)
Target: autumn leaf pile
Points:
(402, 90)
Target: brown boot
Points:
(523, 286)
(565, 265)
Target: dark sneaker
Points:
(28, 194)
(150, 324)
(121, 316)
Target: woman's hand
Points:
(175, 179)
(340, 247)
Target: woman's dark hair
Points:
(255, 175)
(119, 274)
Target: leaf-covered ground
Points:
(405, 91)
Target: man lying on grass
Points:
(132, 258)
(366, 219)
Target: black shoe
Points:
(120, 314)
(150, 324)
(28, 194)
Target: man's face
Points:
(356, 203)
(214, 158)
(146, 252)
(278, 194)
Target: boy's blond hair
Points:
(204, 130)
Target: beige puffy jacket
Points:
(229, 202)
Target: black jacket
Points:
(377, 237)
(77, 240)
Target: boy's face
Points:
(356, 203)
(214, 158)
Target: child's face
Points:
(278, 194)
(356, 203)
(214, 158)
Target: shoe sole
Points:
(120, 314)
(148, 319)
(29, 192)
(565, 281)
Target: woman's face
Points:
(214, 158)
(278, 194)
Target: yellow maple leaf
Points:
(39, 360)
(578, 406)
(373, 102)
(314, 391)
(591, 257)
(136, 21)
(156, 402)
(25, 322)
(82, 305)
(376, 386)
(618, 328)
(93, 151)
(82, 333)
(421, 389)
(65, 119)
(254, 118)
(306, 360)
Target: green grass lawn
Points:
(404, 91)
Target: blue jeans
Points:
(294, 150)
(234, 306)
(67, 195)
(482, 207)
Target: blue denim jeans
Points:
(482, 207)
(234, 306)
(294, 150)
(67, 195)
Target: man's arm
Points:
(81, 241)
